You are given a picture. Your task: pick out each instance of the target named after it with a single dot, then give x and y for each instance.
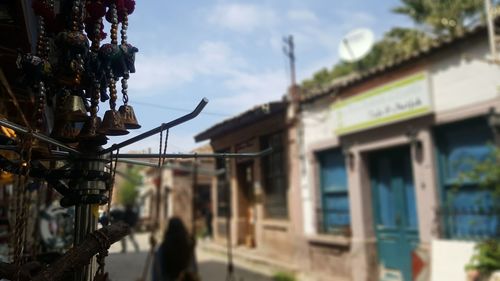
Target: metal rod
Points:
(38, 136)
(162, 127)
(197, 155)
(172, 166)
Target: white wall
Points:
(317, 126)
(457, 82)
(448, 259)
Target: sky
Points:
(231, 52)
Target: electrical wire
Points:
(179, 109)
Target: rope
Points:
(22, 204)
(165, 147)
(152, 241)
(112, 169)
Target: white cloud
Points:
(302, 16)
(162, 71)
(242, 17)
(244, 87)
(249, 89)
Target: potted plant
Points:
(484, 264)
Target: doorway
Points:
(395, 214)
(246, 202)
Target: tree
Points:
(434, 19)
(442, 17)
(396, 44)
(129, 190)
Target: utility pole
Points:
(289, 50)
(493, 32)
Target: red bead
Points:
(130, 6)
(96, 10)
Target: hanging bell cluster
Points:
(74, 73)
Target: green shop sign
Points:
(399, 100)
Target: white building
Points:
(381, 154)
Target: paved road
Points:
(129, 266)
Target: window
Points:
(274, 177)
(467, 211)
(222, 188)
(333, 214)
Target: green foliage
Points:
(486, 258)
(486, 173)
(128, 191)
(284, 276)
(434, 19)
(442, 17)
(396, 44)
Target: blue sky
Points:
(231, 53)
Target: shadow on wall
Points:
(217, 271)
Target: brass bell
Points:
(89, 133)
(112, 124)
(66, 131)
(74, 109)
(128, 117)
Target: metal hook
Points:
(162, 127)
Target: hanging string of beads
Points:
(77, 27)
(126, 74)
(22, 203)
(114, 41)
(42, 51)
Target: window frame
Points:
(283, 176)
(451, 224)
(323, 226)
(222, 187)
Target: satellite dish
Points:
(356, 44)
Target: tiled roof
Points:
(246, 118)
(351, 79)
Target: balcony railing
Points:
(469, 223)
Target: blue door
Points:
(394, 210)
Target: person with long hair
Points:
(175, 258)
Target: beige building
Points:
(181, 178)
(255, 194)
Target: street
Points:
(212, 267)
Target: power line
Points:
(179, 109)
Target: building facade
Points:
(254, 194)
(184, 192)
(382, 156)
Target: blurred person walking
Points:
(208, 221)
(175, 260)
(130, 217)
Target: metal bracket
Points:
(162, 127)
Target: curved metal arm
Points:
(162, 127)
(199, 155)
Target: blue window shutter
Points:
(333, 191)
(333, 171)
(468, 211)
